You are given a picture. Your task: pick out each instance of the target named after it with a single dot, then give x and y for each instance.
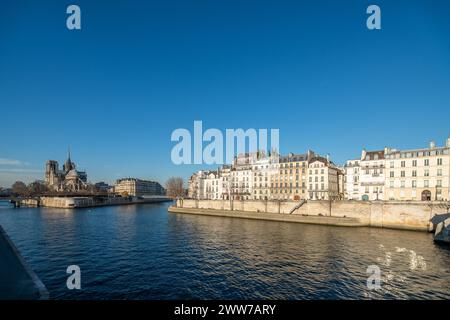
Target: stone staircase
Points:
(297, 206)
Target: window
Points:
(426, 162)
(402, 183)
(391, 174)
(403, 164)
(414, 163)
(439, 183)
(402, 174)
(439, 161)
(439, 172)
(392, 164)
(414, 183)
(392, 184)
(414, 173)
(426, 183)
(426, 173)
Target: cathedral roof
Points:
(72, 174)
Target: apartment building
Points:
(418, 174)
(213, 185)
(351, 179)
(371, 175)
(138, 188)
(196, 188)
(289, 180)
(323, 179)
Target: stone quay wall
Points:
(86, 202)
(407, 215)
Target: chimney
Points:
(432, 144)
(447, 143)
(328, 157)
(363, 154)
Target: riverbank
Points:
(384, 214)
(333, 221)
(86, 202)
(17, 279)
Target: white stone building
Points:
(212, 185)
(371, 175)
(323, 179)
(263, 169)
(196, 188)
(351, 180)
(418, 174)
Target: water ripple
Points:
(143, 252)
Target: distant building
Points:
(67, 179)
(5, 192)
(102, 186)
(138, 188)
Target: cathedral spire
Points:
(69, 165)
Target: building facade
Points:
(351, 180)
(418, 174)
(388, 174)
(138, 188)
(213, 186)
(323, 179)
(371, 175)
(289, 182)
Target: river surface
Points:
(144, 252)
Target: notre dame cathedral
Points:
(67, 179)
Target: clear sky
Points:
(116, 89)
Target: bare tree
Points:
(20, 189)
(175, 187)
(37, 188)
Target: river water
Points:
(144, 252)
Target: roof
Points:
(72, 174)
(294, 158)
(320, 159)
(374, 155)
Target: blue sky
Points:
(115, 90)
